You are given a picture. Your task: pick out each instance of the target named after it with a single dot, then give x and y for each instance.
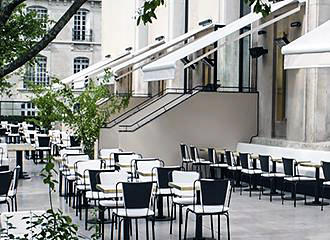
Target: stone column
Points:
(141, 41)
(176, 25)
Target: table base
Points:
(292, 199)
(254, 189)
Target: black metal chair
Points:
(233, 167)
(74, 141)
(5, 182)
(138, 199)
(185, 156)
(326, 183)
(216, 164)
(248, 170)
(215, 196)
(43, 146)
(12, 193)
(292, 177)
(197, 161)
(164, 176)
(268, 174)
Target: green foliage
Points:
(17, 36)
(80, 112)
(147, 12)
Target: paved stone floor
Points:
(250, 218)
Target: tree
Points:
(22, 35)
(82, 112)
(148, 11)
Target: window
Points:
(41, 14)
(37, 73)
(80, 26)
(80, 63)
(28, 109)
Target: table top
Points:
(218, 150)
(123, 165)
(108, 188)
(146, 174)
(183, 186)
(310, 164)
(20, 147)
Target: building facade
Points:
(76, 47)
(293, 104)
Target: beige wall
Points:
(109, 136)
(207, 119)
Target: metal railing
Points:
(143, 105)
(82, 36)
(160, 111)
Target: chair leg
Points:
(240, 189)
(171, 220)
(282, 191)
(212, 230)
(86, 213)
(136, 229)
(168, 206)
(8, 206)
(180, 220)
(119, 228)
(15, 203)
(322, 198)
(112, 225)
(153, 228)
(261, 191)
(186, 225)
(250, 183)
(228, 227)
(147, 229)
(219, 227)
(295, 194)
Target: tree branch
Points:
(40, 45)
(7, 10)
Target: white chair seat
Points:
(140, 212)
(201, 161)
(208, 209)
(99, 195)
(164, 191)
(3, 199)
(187, 160)
(111, 203)
(83, 187)
(11, 193)
(299, 178)
(326, 183)
(183, 200)
(235, 168)
(251, 171)
(272, 175)
(219, 165)
(71, 178)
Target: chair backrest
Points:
(112, 178)
(14, 129)
(212, 154)
(230, 158)
(44, 141)
(146, 165)
(326, 170)
(137, 194)
(106, 152)
(66, 152)
(184, 151)
(194, 153)
(3, 132)
(264, 163)
(82, 167)
(126, 158)
(164, 176)
(72, 159)
(74, 141)
(14, 182)
(245, 160)
(215, 192)
(289, 166)
(185, 177)
(94, 177)
(5, 180)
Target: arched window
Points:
(80, 63)
(81, 30)
(37, 72)
(41, 14)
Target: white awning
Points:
(121, 70)
(106, 63)
(311, 50)
(165, 67)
